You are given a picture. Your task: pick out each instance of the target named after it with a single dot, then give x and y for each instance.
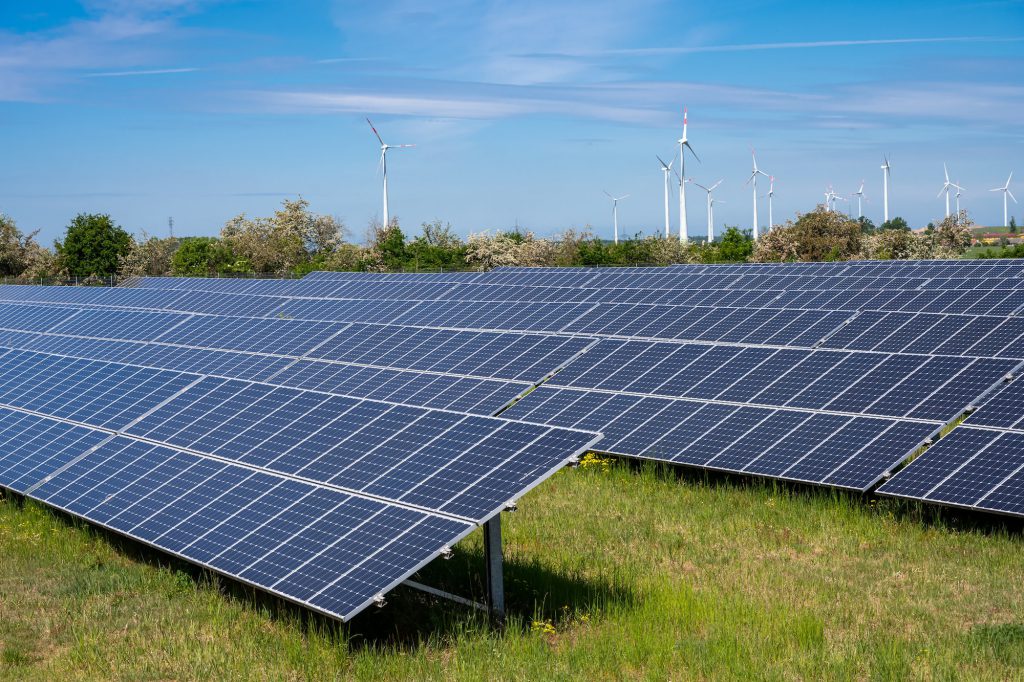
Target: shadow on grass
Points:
(925, 513)
(409, 617)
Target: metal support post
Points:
(493, 562)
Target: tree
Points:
(896, 223)
(387, 246)
(202, 257)
(952, 237)
(148, 257)
(866, 225)
(735, 246)
(436, 247)
(815, 236)
(290, 239)
(18, 252)
(1013, 225)
(93, 246)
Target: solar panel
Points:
(971, 467)
(160, 456)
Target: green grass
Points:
(612, 572)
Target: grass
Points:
(612, 572)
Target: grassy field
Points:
(612, 573)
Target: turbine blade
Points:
(375, 131)
(664, 165)
(1011, 196)
(687, 143)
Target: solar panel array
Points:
(325, 500)
(809, 372)
(323, 438)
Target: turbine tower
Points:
(384, 166)
(753, 177)
(615, 213)
(958, 190)
(885, 188)
(683, 145)
(771, 195)
(711, 207)
(1005, 189)
(945, 188)
(667, 170)
(860, 196)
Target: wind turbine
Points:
(753, 176)
(945, 188)
(958, 190)
(711, 207)
(683, 145)
(860, 196)
(771, 195)
(667, 169)
(384, 166)
(885, 187)
(1005, 189)
(615, 213)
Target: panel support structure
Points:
(493, 562)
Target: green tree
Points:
(93, 246)
(896, 223)
(735, 245)
(1013, 225)
(436, 247)
(202, 257)
(866, 225)
(388, 246)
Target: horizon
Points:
(522, 113)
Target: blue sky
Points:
(522, 111)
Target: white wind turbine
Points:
(771, 195)
(615, 213)
(885, 188)
(1005, 189)
(711, 207)
(860, 197)
(957, 195)
(384, 166)
(667, 169)
(945, 188)
(683, 145)
(753, 177)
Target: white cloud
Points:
(144, 72)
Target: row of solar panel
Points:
(144, 452)
(424, 389)
(1001, 300)
(896, 332)
(517, 357)
(911, 386)
(828, 449)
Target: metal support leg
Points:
(493, 561)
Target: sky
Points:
(523, 112)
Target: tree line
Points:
(295, 240)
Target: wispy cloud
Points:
(753, 47)
(144, 72)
